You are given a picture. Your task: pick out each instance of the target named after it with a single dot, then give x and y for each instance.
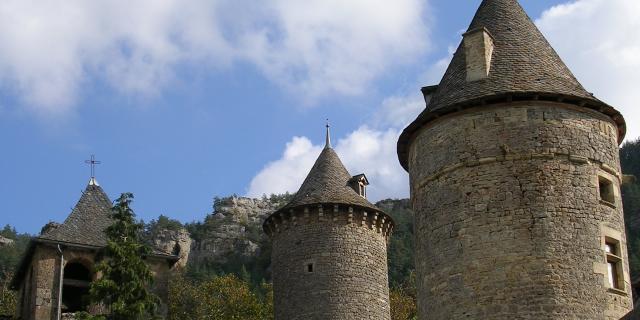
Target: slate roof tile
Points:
(87, 221)
(327, 183)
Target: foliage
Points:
(400, 253)
(630, 162)
(280, 200)
(219, 298)
(123, 287)
(257, 268)
(403, 305)
(10, 255)
(403, 299)
(8, 300)
(630, 157)
(163, 223)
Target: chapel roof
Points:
(88, 220)
(523, 66)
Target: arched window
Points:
(75, 287)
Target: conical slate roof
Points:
(88, 220)
(523, 66)
(523, 60)
(326, 183)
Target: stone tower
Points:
(515, 181)
(329, 257)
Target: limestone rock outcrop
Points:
(234, 228)
(5, 241)
(175, 242)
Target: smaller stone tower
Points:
(329, 256)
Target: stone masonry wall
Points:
(509, 221)
(46, 265)
(347, 253)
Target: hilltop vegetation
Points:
(630, 162)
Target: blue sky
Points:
(183, 101)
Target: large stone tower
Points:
(329, 257)
(515, 181)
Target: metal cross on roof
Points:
(92, 162)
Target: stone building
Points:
(329, 258)
(54, 275)
(515, 181)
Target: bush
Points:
(219, 298)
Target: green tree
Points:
(403, 301)
(630, 157)
(123, 287)
(7, 296)
(630, 162)
(220, 298)
(10, 254)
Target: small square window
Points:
(310, 268)
(606, 190)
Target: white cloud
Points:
(398, 111)
(373, 152)
(49, 50)
(334, 46)
(596, 40)
(287, 173)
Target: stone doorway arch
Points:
(75, 287)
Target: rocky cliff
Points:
(176, 242)
(5, 241)
(234, 229)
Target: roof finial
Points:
(92, 162)
(327, 144)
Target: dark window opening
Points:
(176, 250)
(606, 190)
(310, 267)
(75, 287)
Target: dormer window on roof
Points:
(478, 49)
(359, 184)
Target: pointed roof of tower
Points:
(327, 182)
(523, 60)
(88, 220)
(523, 66)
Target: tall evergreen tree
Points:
(123, 287)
